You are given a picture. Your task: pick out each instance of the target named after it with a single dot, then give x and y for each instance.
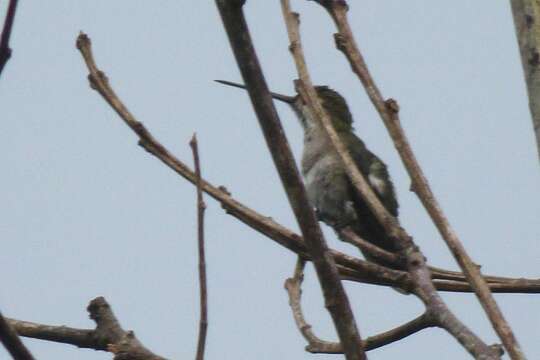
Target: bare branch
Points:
(5, 50)
(388, 110)
(374, 251)
(527, 23)
(108, 334)
(515, 286)
(316, 345)
(402, 281)
(12, 342)
(201, 207)
(439, 273)
(422, 322)
(83, 338)
(334, 294)
(451, 280)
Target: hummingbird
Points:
(328, 187)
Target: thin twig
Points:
(5, 50)
(107, 336)
(294, 290)
(439, 273)
(12, 342)
(494, 282)
(452, 280)
(384, 256)
(415, 261)
(82, 338)
(316, 345)
(336, 300)
(422, 322)
(403, 281)
(388, 110)
(516, 287)
(201, 207)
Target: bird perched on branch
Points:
(328, 186)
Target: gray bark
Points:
(526, 15)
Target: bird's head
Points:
(334, 104)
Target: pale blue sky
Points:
(87, 212)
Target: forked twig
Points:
(294, 290)
(108, 334)
(316, 345)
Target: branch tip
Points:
(392, 105)
(83, 41)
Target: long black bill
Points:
(287, 99)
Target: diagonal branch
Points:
(12, 342)
(5, 50)
(108, 334)
(388, 110)
(336, 300)
(516, 286)
(495, 283)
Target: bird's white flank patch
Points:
(378, 184)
